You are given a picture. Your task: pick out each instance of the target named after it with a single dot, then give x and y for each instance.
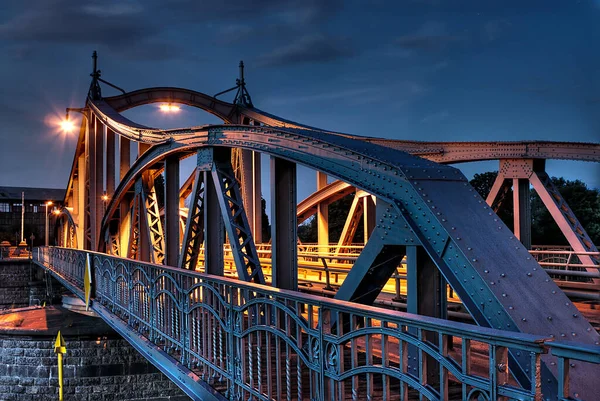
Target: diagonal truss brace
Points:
(151, 214)
(235, 219)
(194, 227)
(564, 217)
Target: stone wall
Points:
(14, 287)
(94, 370)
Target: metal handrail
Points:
(224, 331)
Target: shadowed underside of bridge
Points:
(424, 210)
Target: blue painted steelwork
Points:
(201, 329)
(487, 267)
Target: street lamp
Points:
(49, 203)
(66, 124)
(169, 108)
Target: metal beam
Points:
(124, 156)
(214, 228)
(171, 203)
(369, 216)
(194, 227)
(110, 162)
(234, 217)
(564, 218)
(322, 216)
(522, 211)
(284, 236)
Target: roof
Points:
(40, 194)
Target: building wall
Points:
(34, 221)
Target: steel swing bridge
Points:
(158, 269)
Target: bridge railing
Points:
(255, 342)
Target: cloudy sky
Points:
(407, 69)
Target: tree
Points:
(584, 202)
(483, 185)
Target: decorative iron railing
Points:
(254, 342)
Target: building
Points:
(35, 213)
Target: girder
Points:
(194, 227)
(418, 203)
(234, 216)
(410, 185)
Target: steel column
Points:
(110, 162)
(79, 206)
(214, 228)
(124, 156)
(522, 211)
(284, 238)
(171, 210)
(368, 216)
(494, 198)
(426, 296)
(322, 216)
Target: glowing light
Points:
(169, 108)
(105, 197)
(49, 203)
(67, 125)
(56, 212)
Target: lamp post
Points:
(49, 203)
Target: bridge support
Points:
(284, 238)
(524, 172)
(215, 228)
(110, 162)
(194, 227)
(522, 211)
(171, 202)
(322, 216)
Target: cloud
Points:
(430, 36)
(315, 48)
(122, 27)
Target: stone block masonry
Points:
(94, 370)
(14, 288)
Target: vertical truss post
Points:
(284, 239)
(250, 182)
(171, 210)
(133, 243)
(125, 223)
(124, 156)
(97, 183)
(368, 216)
(110, 162)
(215, 228)
(234, 217)
(522, 211)
(80, 208)
(322, 216)
(426, 290)
(193, 236)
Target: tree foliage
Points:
(583, 201)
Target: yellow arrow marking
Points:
(60, 348)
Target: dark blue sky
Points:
(414, 69)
